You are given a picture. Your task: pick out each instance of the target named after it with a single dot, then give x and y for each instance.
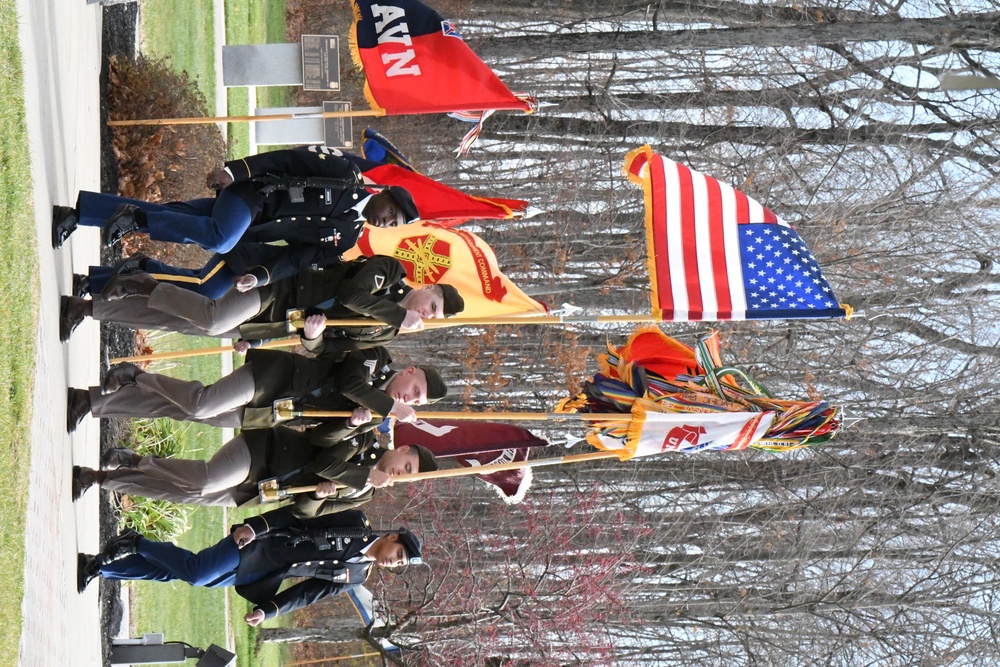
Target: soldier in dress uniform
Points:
(347, 472)
(245, 397)
(300, 195)
(368, 287)
(333, 554)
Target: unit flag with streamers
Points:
(676, 398)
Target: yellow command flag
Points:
(434, 254)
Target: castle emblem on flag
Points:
(426, 258)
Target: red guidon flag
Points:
(435, 200)
(434, 254)
(415, 62)
(477, 444)
(443, 204)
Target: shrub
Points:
(161, 163)
(156, 519)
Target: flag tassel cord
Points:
(204, 120)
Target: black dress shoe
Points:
(124, 221)
(122, 375)
(119, 457)
(64, 222)
(131, 284)
(86, 571)
(81, 285)
(72, 310)
(83, 479)
(119, 547)
(134, 264)
(77, 407)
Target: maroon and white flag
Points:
(474, 444)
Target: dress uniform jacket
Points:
(369, 287)
(319, 384)
(272, 263)
(324, 217)
(299, 459)
(247, 211)
(318, 558)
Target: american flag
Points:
(716, 254)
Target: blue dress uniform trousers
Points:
(214, 224)
(162, 561)
(326, 551)
(212, 280)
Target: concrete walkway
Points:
(61, 47)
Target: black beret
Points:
(404, 200)
(453, 301)
(436, 388)
(426, 459)
(411, 544)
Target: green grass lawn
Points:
(183, 31)
(19, 285)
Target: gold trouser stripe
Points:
(171, 278)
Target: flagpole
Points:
(334, 659)
(204, 120)
(483, 470)
(284, 413)
(295, 323)
(500, 319)
(184, 354)
(428, 324)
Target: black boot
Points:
(77, 407)
(122, 375)
(64, 222)
(83, 479)
(81, 285)
(72, 310)
(129, 284)
(86, 571)
(120, 547)
(119, 457)
(133, 264)
(127, 219)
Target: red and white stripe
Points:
(693, 221)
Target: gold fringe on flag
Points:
(352, 41)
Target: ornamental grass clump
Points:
(156, 519)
